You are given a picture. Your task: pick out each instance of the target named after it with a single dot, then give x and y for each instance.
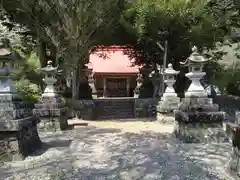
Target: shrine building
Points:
(114, 73)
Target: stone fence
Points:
(114, 107)
(144, 106)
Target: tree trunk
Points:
(54, 54)
(79, 75)
(42, 52)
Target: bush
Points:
(228, 79)
(29, 92)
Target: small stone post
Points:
(51, 109)
(91, 80)
(139, 84)
(18, 126)
(197, 118)
(169, 100)
(156, 80)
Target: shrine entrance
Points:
(116, 87)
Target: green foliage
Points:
(183, 23)
(28, 91)
(228, 79)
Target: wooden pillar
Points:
(128, 86)
(104, 87)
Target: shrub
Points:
(29, 92)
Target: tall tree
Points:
(74, 27)
(182, 23)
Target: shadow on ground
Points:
(94, 154)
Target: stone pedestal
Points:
(198, 120)
(52, 114)
(168, 104)
(18, 127)
(234, 164)
(91, 80)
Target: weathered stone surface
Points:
(200, 104)
(51, 124)
(84, 109)
(12, 109)
(198, 120)
(20, 142)
(234, 163)
(145, 107)
(52, 112)
(199, 117)
(168, 104)
(115, 108)
(200, 132)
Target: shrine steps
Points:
(115, 108)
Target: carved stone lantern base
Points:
(198, 120)
(52, 113)
(168, 104)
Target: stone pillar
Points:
(104, 87)
(18, 126)
(51, 109)
(139, 84)
(156, 80)
(197, 118)
(91, 81)
(169, 100)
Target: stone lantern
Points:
(197, 118)
(51, 109)
(8, 67)
(18, 126)
(139, 84)
(90, 74)
(195, 65)
(156, 81)
(169, 100)
(49, 79)
(170, 74)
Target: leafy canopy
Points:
(182, 23)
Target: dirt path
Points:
(120, 151)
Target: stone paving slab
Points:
(121, 151)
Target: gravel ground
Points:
(121, 151)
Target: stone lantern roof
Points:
(195, 58)
(6, 52)
(5, 49)
(49, 69)
(170, 70)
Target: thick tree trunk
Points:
(76, 81)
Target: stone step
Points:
(115, 117)
(115, 108)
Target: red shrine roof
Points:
(111, 59)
